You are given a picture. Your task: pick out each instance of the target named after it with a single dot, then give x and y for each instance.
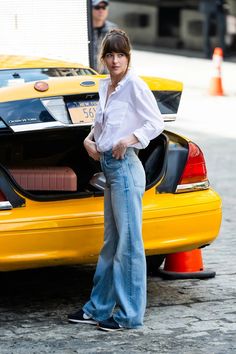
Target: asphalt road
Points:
(183, 316)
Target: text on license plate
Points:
(82, 111)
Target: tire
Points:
(153, 263)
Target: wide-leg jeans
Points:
(120, 278)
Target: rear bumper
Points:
(70, 232)
(192, 221)
(181, 233)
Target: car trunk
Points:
(63, 147)
(41, 139)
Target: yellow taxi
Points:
(17, 69)
(51, 192)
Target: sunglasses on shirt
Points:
(100, 7)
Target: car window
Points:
(44, 113)
(24, 112)
(12, 77)
(168, 101)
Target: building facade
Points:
(172, 24)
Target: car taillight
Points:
(194, 176)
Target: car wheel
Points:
(154, 262)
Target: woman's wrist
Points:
(89, 138)
(90, 135)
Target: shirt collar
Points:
(126, 78)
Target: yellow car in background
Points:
(17, 69)
(51, 192)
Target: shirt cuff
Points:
(142, 140)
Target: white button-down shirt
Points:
(130, 109)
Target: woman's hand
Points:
(119, 149)
(91, 148)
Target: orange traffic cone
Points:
(185, 265)
(216, 88)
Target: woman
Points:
(127, 118)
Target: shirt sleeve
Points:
(148, 112)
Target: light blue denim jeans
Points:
(120, 277)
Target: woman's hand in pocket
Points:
(119, 149)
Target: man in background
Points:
(101, 26)
(213, 10)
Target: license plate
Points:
(82, 112)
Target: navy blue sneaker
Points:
(81, 317)
(110, 325)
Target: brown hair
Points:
(116, 41)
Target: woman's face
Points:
(116, 63)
